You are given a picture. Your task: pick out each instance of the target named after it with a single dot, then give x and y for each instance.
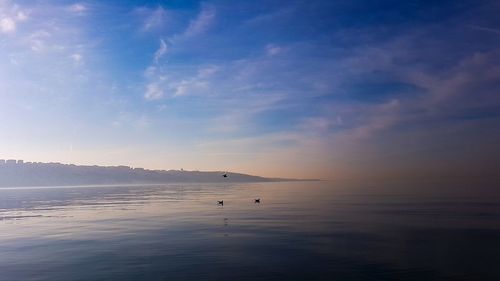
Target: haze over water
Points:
(300, 231)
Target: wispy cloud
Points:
(155, 87)
(191, 86)
(155, 19)
(77, 58)
(269, 17)
(238, 114)
(7, 25)
(483, 28)
(202, 22)
(154, 91)
(10, 15)
(206, 72)
(78, 8)
(198, 84)
(272, 50)
(162, 50)
(21, 16)
(155, 74)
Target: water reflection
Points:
(299, 231)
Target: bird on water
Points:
(220, 202)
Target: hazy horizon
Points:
(492, 179)
(324, 89)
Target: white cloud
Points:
(178, 86)
(77, 58)
(196, 85)
(190, 86)
(161, 51)
(37, 39)
(182, 88)
(7, 25)
(207, 71)
(202, 22)
(21, 16)
(77, 8)
(272, 50)
(37, 45)
(155, 19)
(153, 92)
(150, 71)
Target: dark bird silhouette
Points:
(257, 200)
(220, 202)
(224, 175)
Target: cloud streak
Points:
(155, 19)
(78, 8)
(162, 50)
(202, 22)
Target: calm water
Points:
(300, 231)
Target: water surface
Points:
(299, 231)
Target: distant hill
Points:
(18, 173)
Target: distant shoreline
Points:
(17, 174)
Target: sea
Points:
(323, 230)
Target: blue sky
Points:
(328, 89)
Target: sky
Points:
(331, 89)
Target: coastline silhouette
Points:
(15, 173)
